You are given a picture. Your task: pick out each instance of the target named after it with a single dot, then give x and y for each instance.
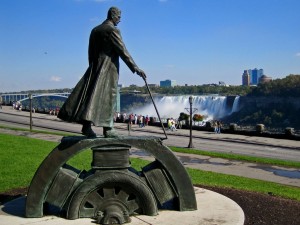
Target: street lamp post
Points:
(191, 110)
(191, 114)
(30, 109)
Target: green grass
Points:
(243, 183)
(254, 159)
(19, 159)
(39, 131)
(21, 156)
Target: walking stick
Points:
(162, 125)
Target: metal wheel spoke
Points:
(94, 198)
(109, 192)
(132, 205)
(123, 196)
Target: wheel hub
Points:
(114, 213)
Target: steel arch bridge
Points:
(9, 98)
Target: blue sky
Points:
(43, 43)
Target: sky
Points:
(43, 43)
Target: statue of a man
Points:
(94, 97)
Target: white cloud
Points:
(55, 79)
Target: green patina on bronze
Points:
(94, 97)
(174, 182)
(111, 191)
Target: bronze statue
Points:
(93, 99)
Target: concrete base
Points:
(213, 208)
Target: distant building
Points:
(246, 78)
(168, 83)
(222, 83)
(264, 79)
(255, 74)
(134, 92)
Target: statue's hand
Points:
(141, 73)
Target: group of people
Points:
(217, 124)
(17, 105)
(54, 112)
(140, 120)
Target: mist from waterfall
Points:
(212, 107)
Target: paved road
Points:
(255, 146)
(238, 144)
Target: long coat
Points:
(95, 95)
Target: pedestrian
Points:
(93, 99)
(124, 117)
(219, 125)
(215, 126)
(144, 121)
(173, 125)
(135, 119)
(131, 118)
(141, 121)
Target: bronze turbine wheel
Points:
(111, 197)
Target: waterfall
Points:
(212, 107)
(235, 106)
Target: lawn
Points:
(20, 157)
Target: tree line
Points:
(192, 90)
(286, 87)
(272, 114)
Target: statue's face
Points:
(116, 18)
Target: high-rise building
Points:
(246, 78)
(168, 83)
(255, 74)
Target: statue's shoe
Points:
(88, 132)
(109, 132)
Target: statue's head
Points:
(114, 14)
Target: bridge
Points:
(8, 99)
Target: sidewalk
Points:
(182, 132)
(293, 144)
(212, 136)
